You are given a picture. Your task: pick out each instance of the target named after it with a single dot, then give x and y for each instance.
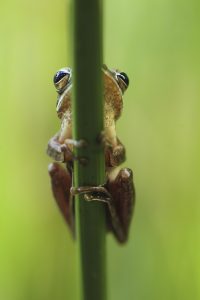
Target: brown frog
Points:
(118, 192)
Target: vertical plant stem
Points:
(87, 124)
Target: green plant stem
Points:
(87, 124)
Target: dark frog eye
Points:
(123, 81)
(59, 75)
(61, 79)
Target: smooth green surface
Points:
(157, 44)
(87, 124)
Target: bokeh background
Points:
(157, 43)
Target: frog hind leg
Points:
(119, 195)
(61, 182)
(122, 192)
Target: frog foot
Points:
(56, 150)
(77, 144)
(101, 194)
(92, 193)
(62, 152)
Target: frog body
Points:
(118, 192)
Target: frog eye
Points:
(61, 79)
(123, 81)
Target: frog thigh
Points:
(61, 183)
(123, 194)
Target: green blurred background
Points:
(157, 43)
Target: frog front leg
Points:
(115, 152)
(115, 155)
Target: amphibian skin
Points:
(118, 192)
